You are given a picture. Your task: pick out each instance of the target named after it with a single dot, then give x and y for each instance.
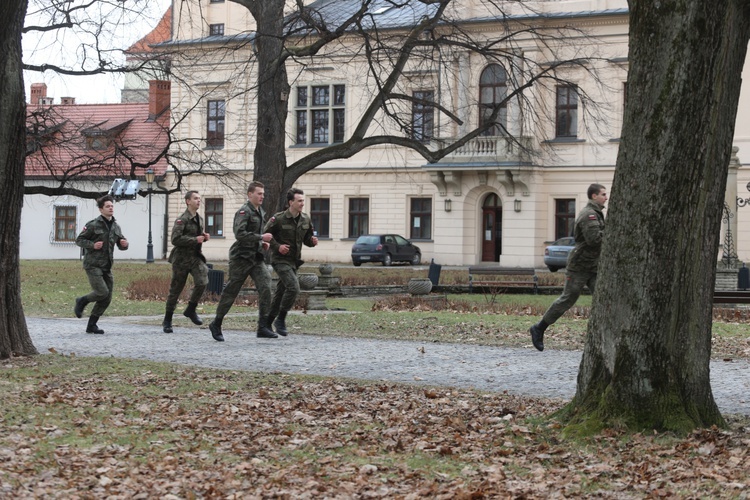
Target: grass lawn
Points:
(49, 289)
(111, 428)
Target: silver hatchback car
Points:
(556, 255)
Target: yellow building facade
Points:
(501, 197)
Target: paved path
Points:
(516, 370)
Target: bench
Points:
(495, 276)
(731, 296)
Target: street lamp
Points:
(150, 246)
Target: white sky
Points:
(66, 47)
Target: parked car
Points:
(556, 255)
(385, 248)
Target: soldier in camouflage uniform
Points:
(186, 258)
(583, 261)
(290, 229)
(246, 258)
(98, 239)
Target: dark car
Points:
(556, 255)
(385, 248)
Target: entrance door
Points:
(492, 227)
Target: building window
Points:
(65, 223)
(493, 87)
(216, 29)
(421, 219)
(567, 111)
(98, 142)
(214, 216)
(565, 217)
(320, 214)
(359, 216)
(422, 115)
(320, 112)
(215, 124)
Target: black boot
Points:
(81, 303)
(280, 324)
(190, 313)
(215, 327)
(537, 334)
(167, 323)
(91, 327)
(264, 330)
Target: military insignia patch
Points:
(273, 218)
(592, 217)
(178, 221)
(242, 212)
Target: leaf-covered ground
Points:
(107, 428)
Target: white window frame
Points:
(333, 109)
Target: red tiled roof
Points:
(161, 33)
(64, 140)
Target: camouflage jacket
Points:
(248, 228)
(286, 231)
(186, 249)
(589, 231)
(98, 230)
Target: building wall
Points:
(389, 176)
(38, 218)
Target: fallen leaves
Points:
(75, 428)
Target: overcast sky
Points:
(67, 46)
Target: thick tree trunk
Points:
(270, 147)
(14, 336)
(646, 361)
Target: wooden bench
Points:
(495, 277)
(731, 296)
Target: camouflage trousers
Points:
(199, 270)
(574, 283)
(239, 270)
(102, 283)
(287, 289)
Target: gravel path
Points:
(516, 370)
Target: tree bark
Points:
(646, 360)
(14, 335)
(269, 157)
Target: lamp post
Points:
(150, 246)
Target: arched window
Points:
(493, 86)
(492, 201)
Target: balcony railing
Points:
(489, 149)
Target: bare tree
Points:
(14, 335)
(646, 360)
(284, 42)
(89, 26)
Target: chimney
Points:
(38, 92)
(159, 97)
(67, 100)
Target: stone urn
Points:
(307, 281)
(325, 269)
(419, 286)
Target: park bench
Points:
(731, 296)
(495, 278)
